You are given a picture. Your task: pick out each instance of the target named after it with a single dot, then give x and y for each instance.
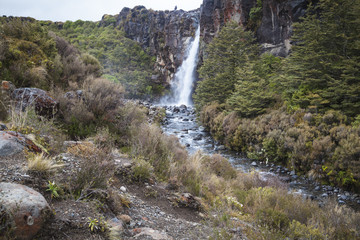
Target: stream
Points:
(181, 121)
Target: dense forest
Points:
(301, 111)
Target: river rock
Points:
(343, 197)
(149, 233)
(220, 148)
(176, 110)
(186, 200)
(24, 210)
(254, 164)
(3, 127)
(13, 142)
(198, 137)
(43, 103)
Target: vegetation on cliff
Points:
(31, 56)
(302, 111)
(123, 60)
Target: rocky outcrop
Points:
(13, 142)
(23, 210)
(164, 34)
(43, 103)
(275, 27)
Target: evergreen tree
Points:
(323, 71)
(253, 95)
(231, 49)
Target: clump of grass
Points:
(157, 148)
(40, 163)
(44, 132)
(96, 168)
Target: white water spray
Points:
(182, 85)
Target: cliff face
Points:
(167, 34)
(164, 34)
(274, 29)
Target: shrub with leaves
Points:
(96, 168)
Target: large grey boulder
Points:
(13, 142)
(9, 145)
(23, 211)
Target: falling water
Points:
(182, 85)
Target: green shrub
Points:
(142, 171)
(272, 219)
(159, 149)
(220, 166)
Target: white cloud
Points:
(62, 10)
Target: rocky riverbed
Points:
(181, 121)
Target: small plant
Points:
(97, 224)
(54, 189)
(142, 170)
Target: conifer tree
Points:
(231, 49)
(323, 71)
(253, 94)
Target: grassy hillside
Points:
(123, 60)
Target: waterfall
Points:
(181, 87)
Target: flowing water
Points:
(182, 85)
(181, 121)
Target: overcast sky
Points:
(62, 10)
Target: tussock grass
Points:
(232, 197)
(96, 168)
(41, 164)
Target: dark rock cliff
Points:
(275, 27)
(164, 34)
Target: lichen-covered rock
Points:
(13, 142)
(43, 103)
(186, 200)
(23, 211)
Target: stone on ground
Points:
(24, 210)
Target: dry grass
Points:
(160, 150)
(96, 168)
(39, 163)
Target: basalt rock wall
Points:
(275, 24)
(167, 34)
(164, 34)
